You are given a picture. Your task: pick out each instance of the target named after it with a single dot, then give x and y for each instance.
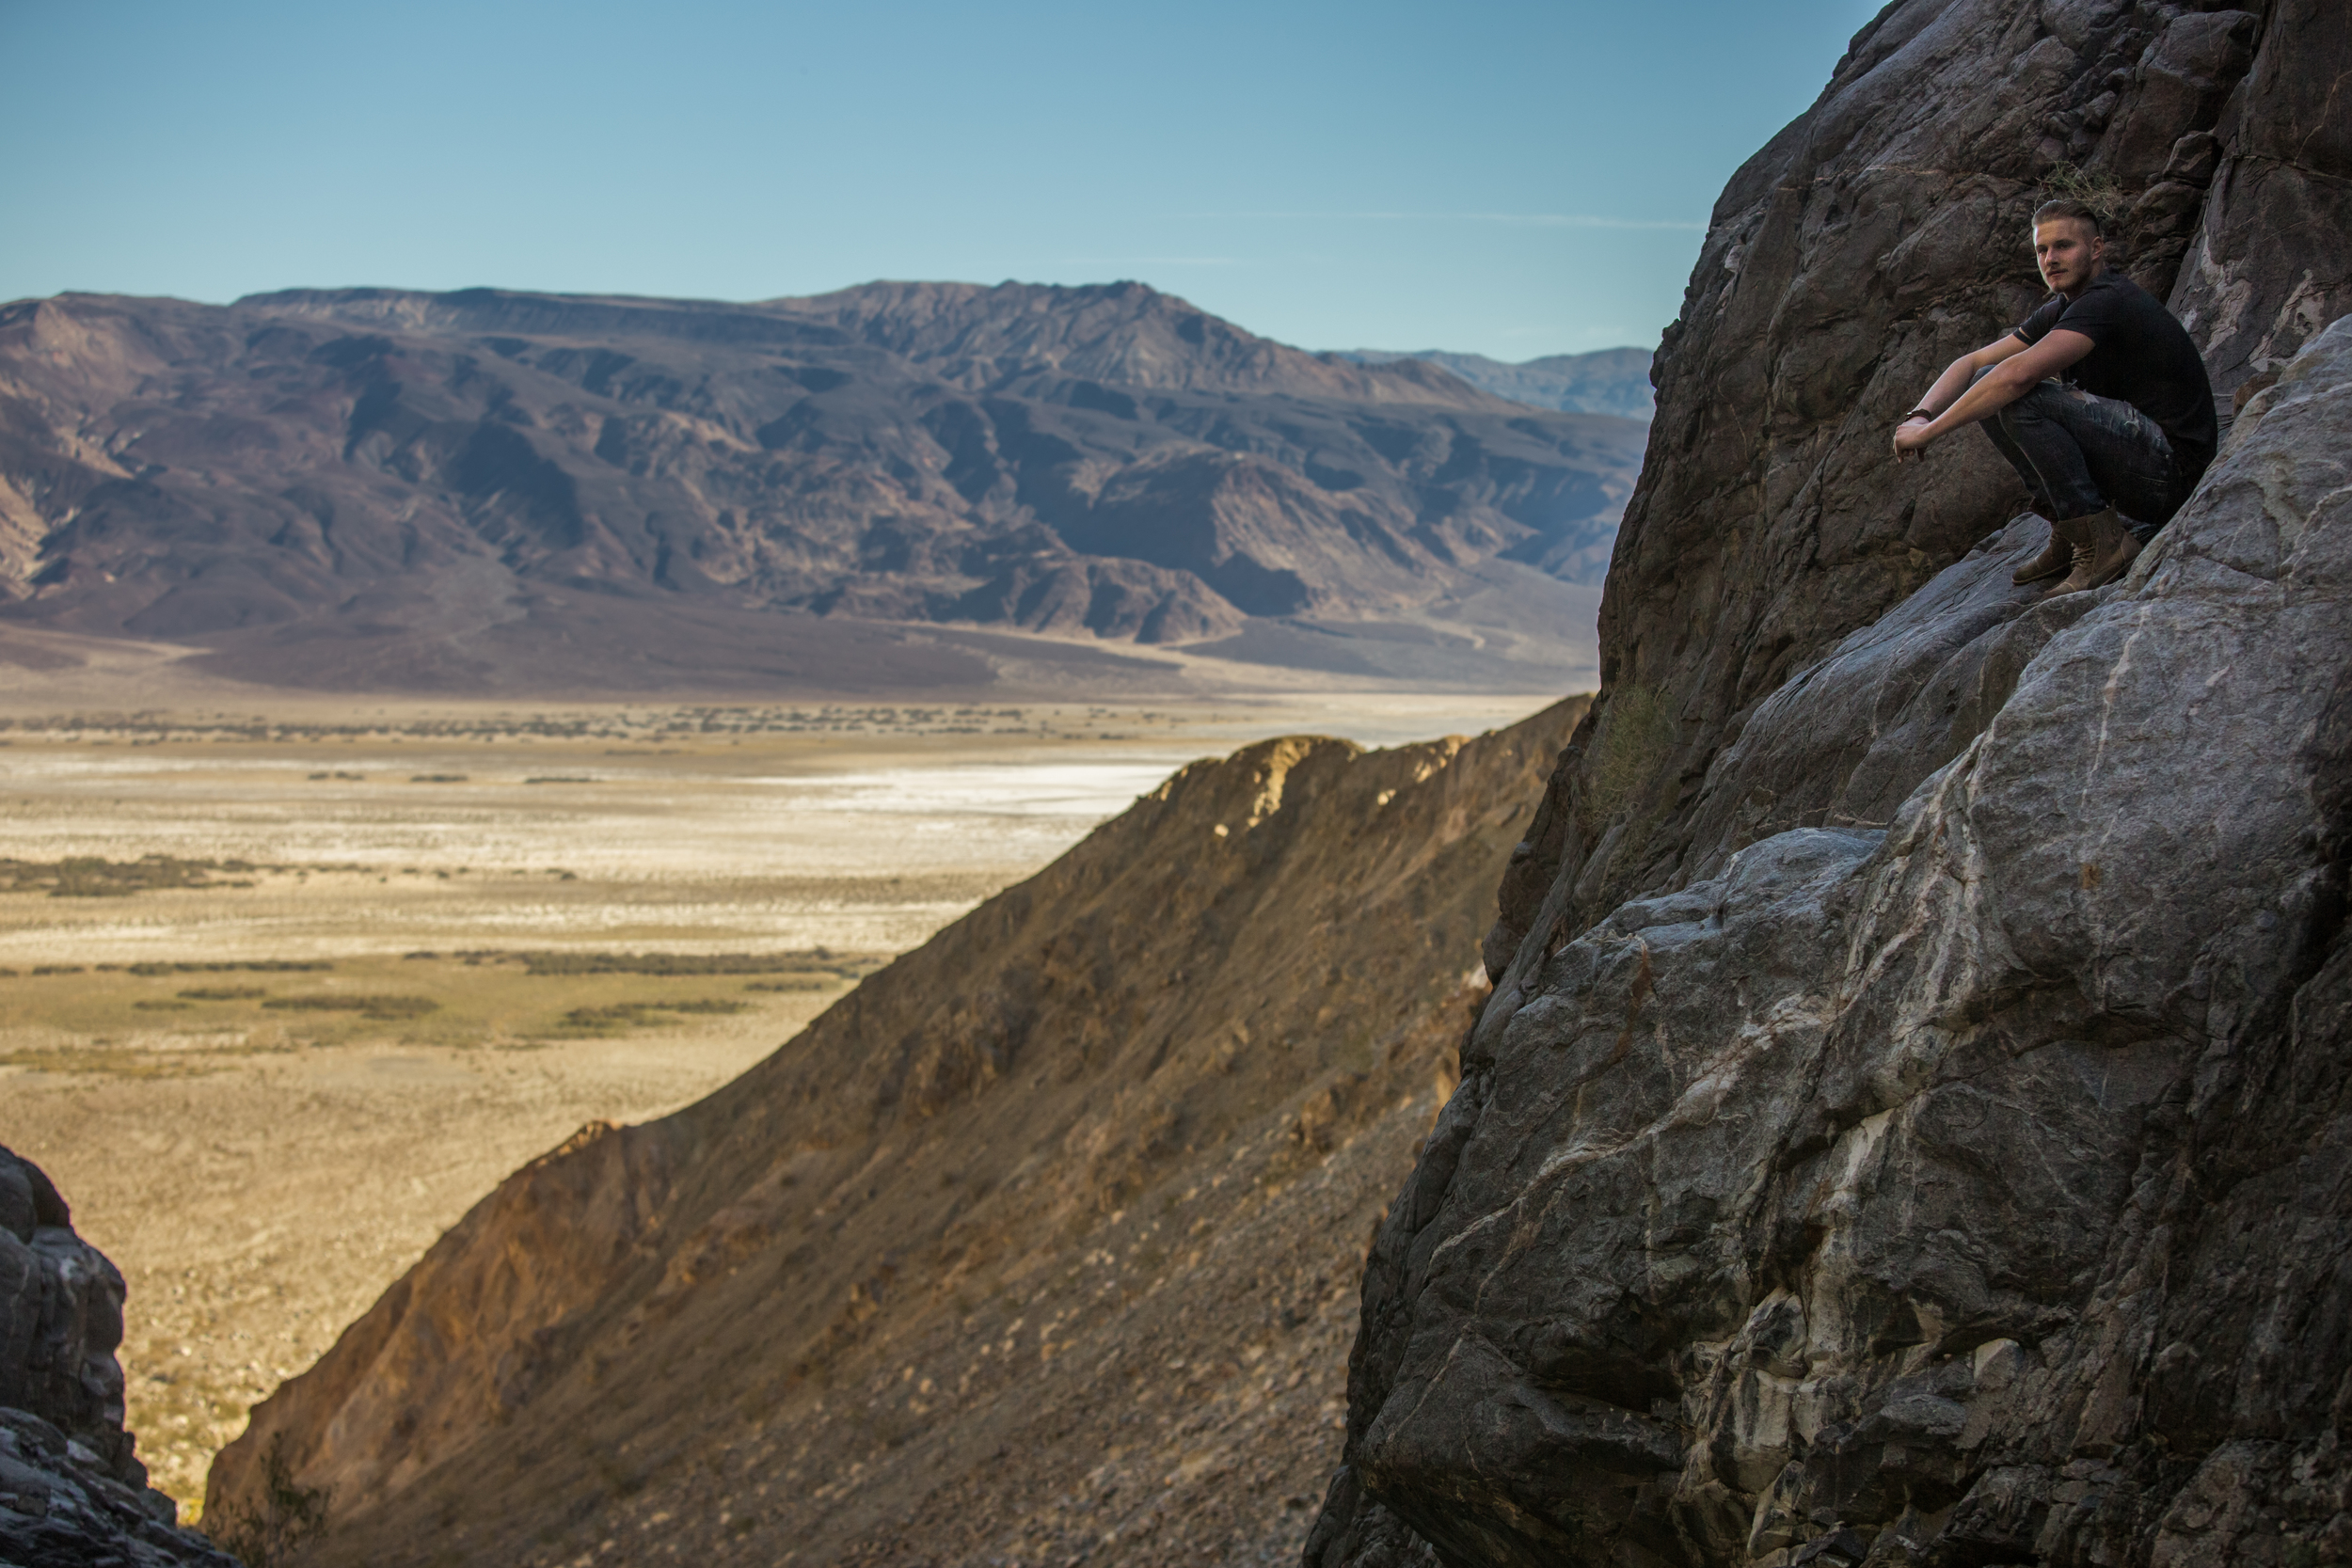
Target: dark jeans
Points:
(2078, 452)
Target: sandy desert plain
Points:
(287, 983)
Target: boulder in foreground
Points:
(72, 1490)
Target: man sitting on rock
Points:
(2099, 400)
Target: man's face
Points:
(2068, 253)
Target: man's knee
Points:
(2001, 416)
(2030, 405)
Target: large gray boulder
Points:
(1908, 1126)
(1974, 1188)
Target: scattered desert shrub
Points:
(253, 966)
(223, 993)
(802, 983)
(617, 1016)
(669, 963)
(94, 876)
(381, 1008)
(111, 1061)
(161, 1006)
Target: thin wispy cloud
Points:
(1525, 220)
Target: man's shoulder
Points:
(2113, 299)
(2119, 288)
(2122, 297)
(2042, 318)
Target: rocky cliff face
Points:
(1866, 246)
(1908, 1125)
(72, 1492)
(1040, 1243)
(429, 489)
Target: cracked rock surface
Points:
(1969, 1189)
(1878, 237)
(1910, 1124)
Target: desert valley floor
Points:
(286, 988)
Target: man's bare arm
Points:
(1954, 401)
(1960, 372)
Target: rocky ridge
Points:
(1908, 1126)
(490, 489)
(1039, 1244)
(72, 1492)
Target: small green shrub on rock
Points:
(1637, 737)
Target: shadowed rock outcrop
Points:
(1908, 1125)
(72, 1491)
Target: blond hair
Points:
(2067, 207)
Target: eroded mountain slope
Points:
(425, 490)
(1043, 1237)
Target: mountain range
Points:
(380, 489)
(1606, 381)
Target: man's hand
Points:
(1965, 393)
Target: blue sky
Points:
(1506, 177)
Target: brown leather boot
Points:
(2055, 557)
(2103, 548)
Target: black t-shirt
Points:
(2140, 355)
